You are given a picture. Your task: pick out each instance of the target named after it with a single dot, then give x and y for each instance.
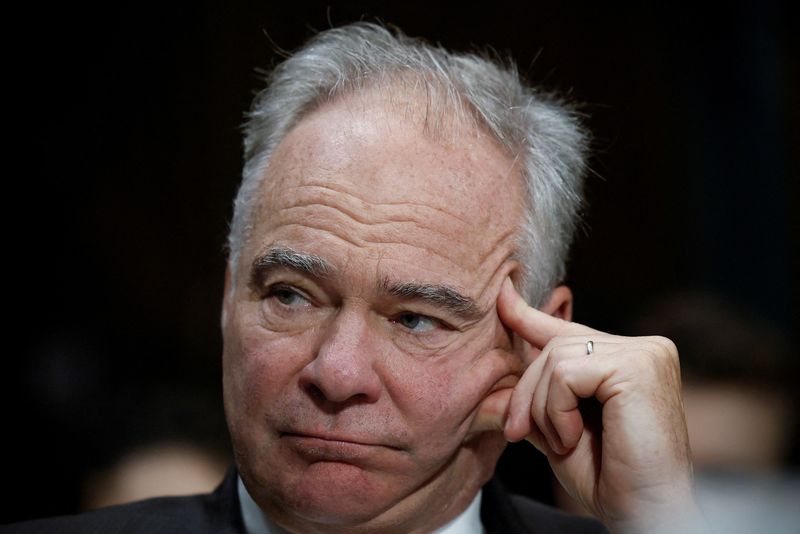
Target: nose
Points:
(343, 369)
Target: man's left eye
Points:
(417, 323)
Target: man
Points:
(396, 201)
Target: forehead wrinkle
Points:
(367, 243)
(497, 248)
(360, 208)
(391, 204)
(371, 223)
(348, 212)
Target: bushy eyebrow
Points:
(278, 256)
(438, 295)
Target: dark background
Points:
(126, 157)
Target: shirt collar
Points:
(257, 522)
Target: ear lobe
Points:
(559, 303)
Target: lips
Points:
(334, 448)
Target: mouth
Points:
(337, 438)
(334, 448)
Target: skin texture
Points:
(355, 407)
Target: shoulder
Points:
(505, 512)
(166, 514)
(213, 512)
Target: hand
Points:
(630, 464)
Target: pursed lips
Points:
(335, 439)
(324, 447)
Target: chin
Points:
(337, 494)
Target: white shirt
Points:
(256, 521)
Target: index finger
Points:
(532, 325)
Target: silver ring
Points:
(589, 347)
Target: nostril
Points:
(318, 396)
(314, 392)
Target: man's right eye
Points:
(286, 295)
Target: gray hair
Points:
(539, 130)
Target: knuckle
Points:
(549, 347)
(660, 362)
(560, 371)
(665, 344)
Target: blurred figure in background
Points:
(740, 407)
(163, 468)
(736, 378)
(170, 441)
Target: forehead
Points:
(367, 170)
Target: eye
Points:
(417, 323)
(286, 295)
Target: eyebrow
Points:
(284, 257)
(438, 295)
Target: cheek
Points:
(439, 396)
(260, 365)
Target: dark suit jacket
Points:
(218, 512)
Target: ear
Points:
(559, 303)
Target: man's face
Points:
(361, 336)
